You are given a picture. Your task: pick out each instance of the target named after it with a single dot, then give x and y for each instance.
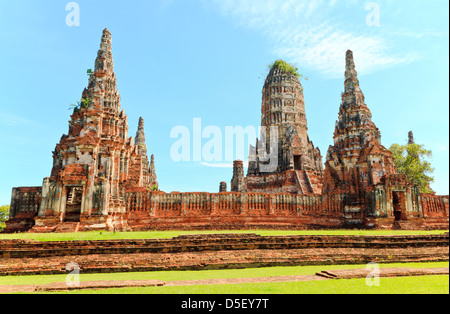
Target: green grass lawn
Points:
(170, 234)
(203, 274)
(400, 285)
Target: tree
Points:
(411, 160)
(4, 213)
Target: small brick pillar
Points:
(238, 183)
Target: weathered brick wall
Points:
(434, 205)
(25, 201)
(146, 210)
(159, 210)
(162, 205)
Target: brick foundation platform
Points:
(19, 257)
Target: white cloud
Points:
(315, 34)
(324, 51)
(13, 120)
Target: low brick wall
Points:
(435, 206)
(201, 243)
(215, 252)
(145, 210)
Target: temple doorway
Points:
(297, 162)
(73, 204)
(399, 202)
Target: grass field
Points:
(425, 284)
(400, 285)
(170, 234)
(204, 274)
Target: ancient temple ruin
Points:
(359, 180)
(95, 163)
(357, 159)
(299, 166)
(102, 179)
(360, 167)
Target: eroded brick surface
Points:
(215, 252)
(299, 167)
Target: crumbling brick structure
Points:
(361, 168)
(238, 182)
(95, 163)
(298, 167)
(102, 179)
(357, 160)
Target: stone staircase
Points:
(67, 227)
(303, 182)
(71, 197)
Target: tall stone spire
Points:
(153, 177)
(411, 141)
(102, 89)
(104, 61)
(140, 134)
(411, 138)
(355, 118)
(149, 171)
(141, 145)
(351, 76)
(357, 159)
(97, 160)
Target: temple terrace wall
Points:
(145, 210)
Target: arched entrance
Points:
(73, 204)
(399, 203)
(297, 162)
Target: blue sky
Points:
(177, 60)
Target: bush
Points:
(4, 214)
(285, 67)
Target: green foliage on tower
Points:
(81, 105)
(286, 67)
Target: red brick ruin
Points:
(103, 180)
(299, 164)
